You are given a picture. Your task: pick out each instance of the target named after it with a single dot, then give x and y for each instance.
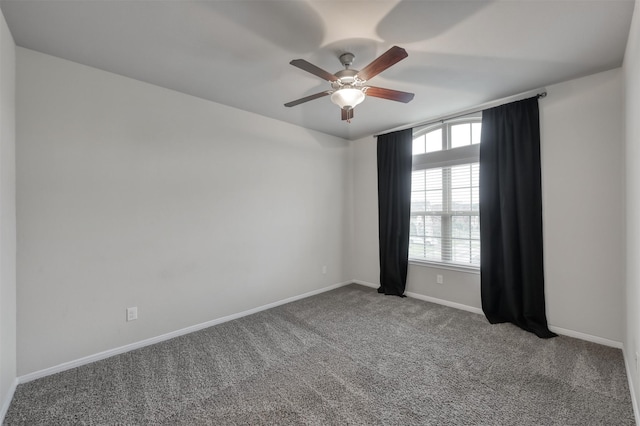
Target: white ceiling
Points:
(237, 52)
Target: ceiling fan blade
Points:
(346, 114)
(382, 62)
(307, 98)
(309, 67)
(393, 95)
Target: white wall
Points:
(133, 195)
(364, 256)
(582, 124)
(632, 112)
(7, 218)
(582, 156)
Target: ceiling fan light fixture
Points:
(347, 97)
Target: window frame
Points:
(447, 157)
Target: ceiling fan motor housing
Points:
(346, 77)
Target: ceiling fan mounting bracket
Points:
(346, 59)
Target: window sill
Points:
(449, 266)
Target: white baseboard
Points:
(558, 330)
(132, 346)
(366, 284)
(7, 400)
(445, 302)
(428, 299)
(587, 337)
(126, 348)
(634, 402)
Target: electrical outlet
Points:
(132, 313)
(439, 279)
(324, 269)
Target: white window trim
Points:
(448, 266)
(447, 158)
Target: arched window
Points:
(445, 221)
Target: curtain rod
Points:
(540, 93)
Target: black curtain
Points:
(511, 265)
(394, 209)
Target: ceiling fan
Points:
(348, 86)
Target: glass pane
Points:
(418, 145)
(476, 129)
(475, 199)
(475, 174)
(461, 251)
(475, 253)
(460, 226)
(418, 201)
(434, 178)
(416, 248)
(418, 180)
(416, 226)
(475, 229)
(434, 140)
(461, 176)
(433, 200)
(460, 135)
(432, 249)
(425, 248)
(432, 226)
(461, 199)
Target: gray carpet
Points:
(348, 356)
